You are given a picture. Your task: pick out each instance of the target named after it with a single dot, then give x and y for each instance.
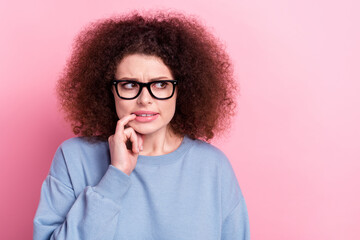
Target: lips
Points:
(145, 116)
(145, 113)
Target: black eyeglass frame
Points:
(147, 85)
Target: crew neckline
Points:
(166, 158)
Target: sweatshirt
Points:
(191, 193)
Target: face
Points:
(153, 115)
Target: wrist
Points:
(123, 169)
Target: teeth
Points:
(145, 115)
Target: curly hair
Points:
(206, 89)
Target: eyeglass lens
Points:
(159, 89)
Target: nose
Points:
(144, 97)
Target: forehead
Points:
(142, 66)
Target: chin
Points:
(144, 130)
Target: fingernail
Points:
(141, 148)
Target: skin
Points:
(151, 138)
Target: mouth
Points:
(145, 113)
(145, 116)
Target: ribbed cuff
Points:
(114, 184)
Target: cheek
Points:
(122, 108)
(170, 108)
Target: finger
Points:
(131, 135)
(120, 125)
(140, 138)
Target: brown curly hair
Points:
(198, 60)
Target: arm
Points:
(235, 221)
(92, 215)
(236, 224)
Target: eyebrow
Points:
(152, 79)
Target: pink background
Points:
(294, 144)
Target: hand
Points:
(122, 157)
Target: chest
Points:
(170, 205)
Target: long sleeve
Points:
(91, 215)
(236, 224)
(190, 193)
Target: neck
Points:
(160, 143)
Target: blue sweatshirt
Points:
(190, 193)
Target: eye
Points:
(129, 85)
(160, 85)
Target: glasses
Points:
(129, 89)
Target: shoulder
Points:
(77, 152)
(207, 149)
(81, 144)
(81, 150)
(81, 147)
(208, 153)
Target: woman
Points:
(144, 92)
